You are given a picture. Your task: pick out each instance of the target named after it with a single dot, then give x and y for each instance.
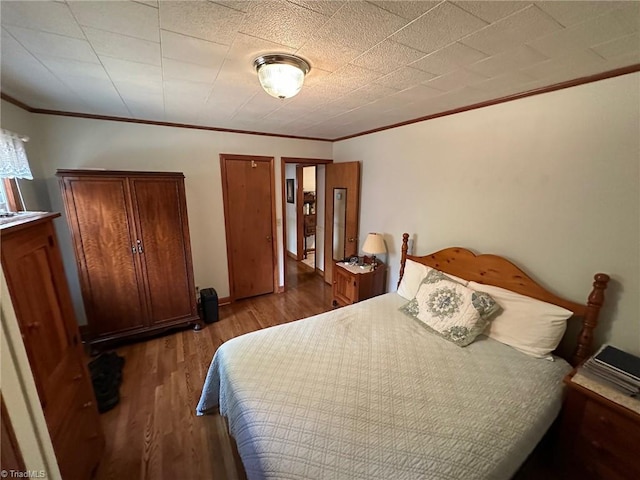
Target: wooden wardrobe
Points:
(131, 240)
(40, 295)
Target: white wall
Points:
(309, 179)
(83, 143)
(292, 226)
(552, 182)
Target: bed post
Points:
(590, 321)
(405, 248)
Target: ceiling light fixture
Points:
(281, 75)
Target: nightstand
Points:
(600, 431)
(352, 284)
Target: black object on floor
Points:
(209, 303)
(106, 377)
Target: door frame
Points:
(305, 162)
(225, 196)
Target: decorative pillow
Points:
(414, 273)
(453, 311)
(526, 324)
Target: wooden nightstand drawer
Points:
(599, 438)
(600, 460)
(602, 422)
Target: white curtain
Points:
(13, 158)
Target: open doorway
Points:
(307, 210)
(303, 219)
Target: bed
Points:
(367, 392)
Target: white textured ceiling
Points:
(373, 63)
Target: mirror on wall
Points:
(339, 222)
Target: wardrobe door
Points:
(102, 227)
(163, 235)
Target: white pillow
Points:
(526, 324)
(414, 274)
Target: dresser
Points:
(132, 246)
(39, 292)
(352, 284)
(600, 436)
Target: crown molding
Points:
(60, 113)
(551, 88)
(517, 96)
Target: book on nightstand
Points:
(615, 368)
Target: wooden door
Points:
(249, 211)
(98, 210)
(341, 175)
(163, 247)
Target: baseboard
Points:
(292, 255)
(224, 301)
(320, 272)
(280, 289)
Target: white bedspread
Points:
(365, 392)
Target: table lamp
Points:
(374, 245)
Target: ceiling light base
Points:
(281, 75)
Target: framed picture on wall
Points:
(291, 187)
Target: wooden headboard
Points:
(500, 272)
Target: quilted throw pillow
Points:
(453, 311)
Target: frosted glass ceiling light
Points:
(281, 75)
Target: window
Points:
(13, 164)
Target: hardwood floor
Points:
(154, 433)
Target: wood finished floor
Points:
(154, 433)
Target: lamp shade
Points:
(281, 75)
(374, 244)
(13, 158)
